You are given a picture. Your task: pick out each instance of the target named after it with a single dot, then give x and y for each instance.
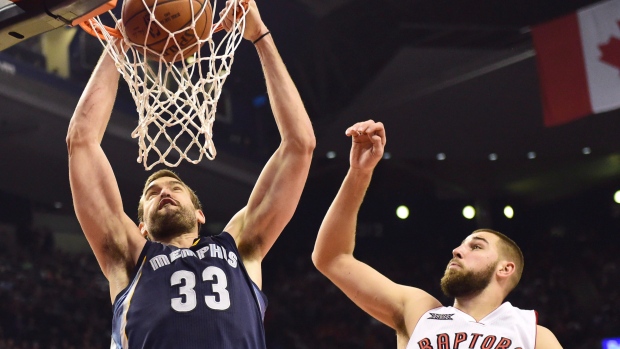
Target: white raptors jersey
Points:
(506, 327)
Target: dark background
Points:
(457, 78)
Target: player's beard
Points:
(460, 283)
(170, 223)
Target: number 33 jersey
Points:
(188, 298)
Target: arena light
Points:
(441, 156)
(509, 212)
(611, 343)
(402, 212)
(531, 155)
(259, 101)
(617, 197)
(331, 154)
(469, 212)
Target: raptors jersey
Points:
(506, 327)
(189, 298)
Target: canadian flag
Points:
(578, 59)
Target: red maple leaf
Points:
(611, 51)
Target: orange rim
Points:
(96, 32)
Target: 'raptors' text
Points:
(464, 340)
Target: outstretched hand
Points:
(254, 26)
(368, 142)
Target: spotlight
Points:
(469, 212)
(617, 197)
(509, 212)
(331, 154)
(402, 212)
(441, 156)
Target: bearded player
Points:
(171, 287)
(483, 270)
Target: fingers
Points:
(374, 130)
(227, 24)
(233, 11)
(230, 14)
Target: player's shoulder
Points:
(417, 303)
(510, 313)
(222, 243)
(545, 339)
(223, 238)
(419, 299)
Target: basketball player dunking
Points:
(170, 287)
(484, 269)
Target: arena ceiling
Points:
(457, 78)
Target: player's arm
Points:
(395, 305)
(112, 235)
(545, 339)
(278, 189)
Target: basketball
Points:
(170, 16)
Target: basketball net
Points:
(176, 102)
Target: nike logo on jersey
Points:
(440, 316)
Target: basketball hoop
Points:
(175, 101)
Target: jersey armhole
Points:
(136, 267)
(226, 236)
(420, 318)
(261, 297)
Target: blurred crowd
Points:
(51, 299)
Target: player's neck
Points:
(480, 305)
(184, 240)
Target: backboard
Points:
(23, 19)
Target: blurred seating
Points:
(60, 301)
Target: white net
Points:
(176, 102)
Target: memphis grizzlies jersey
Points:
(506, 327)
(189, 298)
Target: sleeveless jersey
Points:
(507, 327)
(199, 297)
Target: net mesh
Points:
(176, 102)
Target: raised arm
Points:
(112, 235)
(278, 189)
(395, 305)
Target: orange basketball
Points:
(174, 16)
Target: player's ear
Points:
(143, 231)
(200, 217)
(506, 269)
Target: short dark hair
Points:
(509, 249)
(160, 174)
